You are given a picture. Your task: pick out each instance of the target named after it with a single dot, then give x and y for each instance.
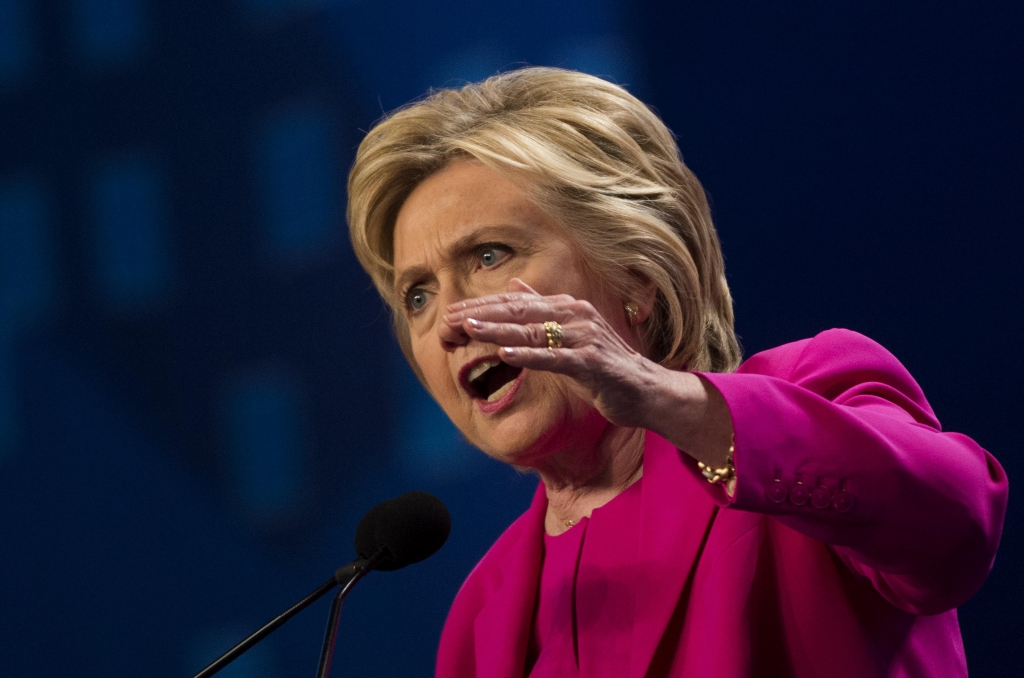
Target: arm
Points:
(917, 511)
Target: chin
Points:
(541, 416)
(512, 440)
(527, 435)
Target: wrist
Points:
(674, 404)
(688, 411)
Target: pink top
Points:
(857, 527)
(587, 594)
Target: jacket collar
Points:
(502, 628)
(676, 515)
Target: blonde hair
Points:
(592, 156)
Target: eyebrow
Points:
(457, 250)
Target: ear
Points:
(646, 297)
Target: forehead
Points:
(451, 204)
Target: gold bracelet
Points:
(716, 476)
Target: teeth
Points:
(500, 392)
(481, 368)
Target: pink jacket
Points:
(856, 528)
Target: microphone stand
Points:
(347, 576)
(327, 652)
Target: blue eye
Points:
(416, 298)
(492, 255)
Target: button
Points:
(821, 497)
(843, 501)
(777, 491)
(799, 494)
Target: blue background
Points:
(199, 392)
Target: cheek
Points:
(556, 399)
(433, 363)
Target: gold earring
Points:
(633, 311)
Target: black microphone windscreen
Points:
(411, 527)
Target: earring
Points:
(633, 311)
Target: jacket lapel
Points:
(675, 517)
(502, 628)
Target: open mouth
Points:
(490, 379)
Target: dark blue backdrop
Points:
(199, 395)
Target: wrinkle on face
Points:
(467, 203)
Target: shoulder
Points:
(836, 348)
(838, 364)
(457, 648)
(489, 573)
(833, 353)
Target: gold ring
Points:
(554, 332)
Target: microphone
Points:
(410, 528)
(393, 534)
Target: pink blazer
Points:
(856, 528)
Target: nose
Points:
(451, 337)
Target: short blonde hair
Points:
(592, 156)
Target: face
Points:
(467, 232)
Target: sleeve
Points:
(834, 439)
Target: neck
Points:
(577, 481)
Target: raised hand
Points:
(616, 379)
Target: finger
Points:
(514, 334)
(561, 309)
(460, 306)
(558, 360)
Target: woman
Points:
(559, 289)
